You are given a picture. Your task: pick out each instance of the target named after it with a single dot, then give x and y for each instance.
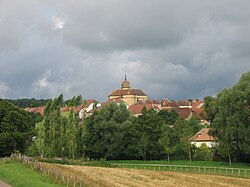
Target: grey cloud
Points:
(175, 49)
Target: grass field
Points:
(184, 162)
(215, 168)
(19, 175)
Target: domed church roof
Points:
(125, 84)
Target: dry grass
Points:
(100, 176)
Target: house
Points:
(184, 104)
(197, 104)
(39, 110)
(185, 113)
(203, 137)
(87, 106)
(166, 104)
(127, 94)
(136, 109)
(117, 101)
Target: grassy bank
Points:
(19, 175)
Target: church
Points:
(128, 95)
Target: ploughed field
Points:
(101, 176)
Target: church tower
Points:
(127, 94)
(125, 84)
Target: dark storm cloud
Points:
(175, 49)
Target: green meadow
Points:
(19, 175)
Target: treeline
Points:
(28, 103)
(31, 103)
(113, 133)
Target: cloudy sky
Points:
(178, 49)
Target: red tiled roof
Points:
(196, 104)
(36, 110)
(128, 92)
(173, 104)
(169, 104)
(198, 112)
(85, 105)
(183, 112)
(67, 109)
(137, 108)
(90, 101)
(183, 103)
(203, 135)
(166, 104)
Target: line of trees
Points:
(25, 103)
(59, 134)
(113, 133)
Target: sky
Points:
(175, 49)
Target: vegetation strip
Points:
(17, 174)
(236, 172)
(56, 172)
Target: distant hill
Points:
(25, 103)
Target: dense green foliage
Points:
(25, 103)
(16, 129)
(107, 131)
(229, 114)
(59, 135)
(17, 174)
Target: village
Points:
(135, 100)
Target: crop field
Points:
(101, 176)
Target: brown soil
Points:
(2, 184)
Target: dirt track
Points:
(2, 184)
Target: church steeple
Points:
(125, 84)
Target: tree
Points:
(105, 132)
(210, 108)
(181, 132)
(16, 129)
(203, 153)
(60, 134)
(229, 114)
(164, 141)
(149, 128)
(169, 117)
